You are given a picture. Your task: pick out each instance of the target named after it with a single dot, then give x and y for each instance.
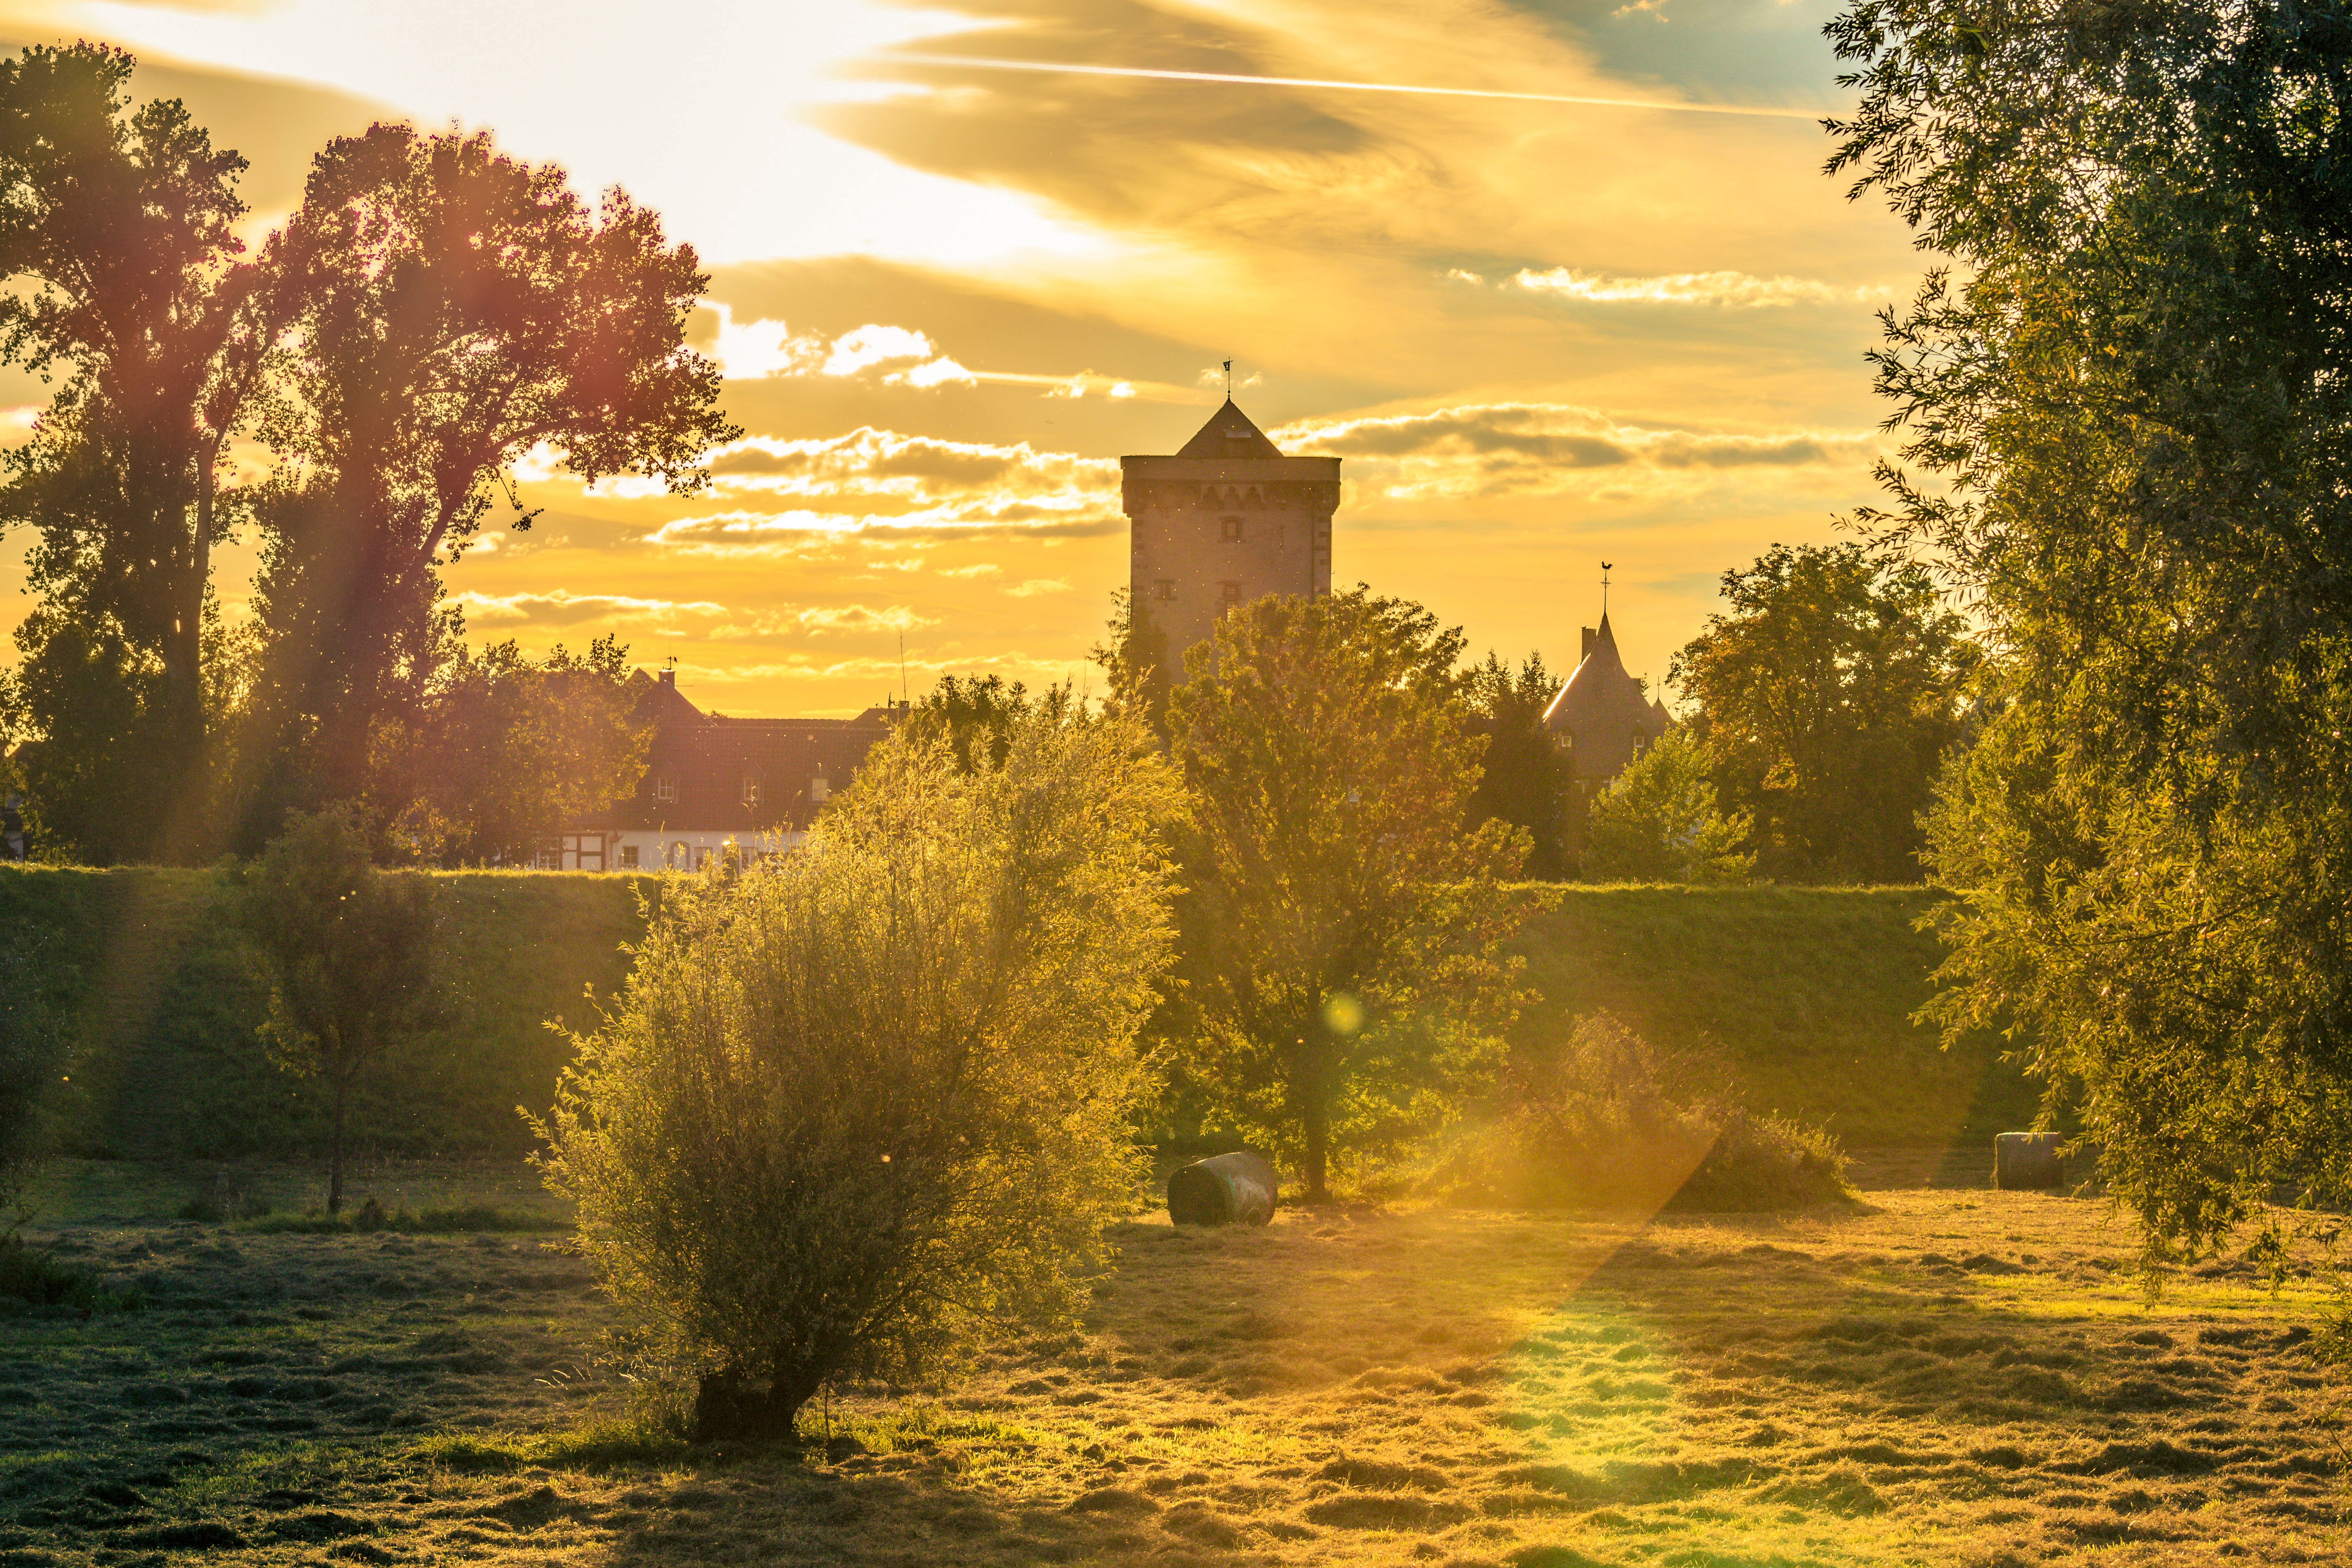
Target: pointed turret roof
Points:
(1230, 434)
(1602, 700)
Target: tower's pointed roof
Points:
(1601, 692)
(1230, 434)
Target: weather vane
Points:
(1229, 378)
(1605, 590)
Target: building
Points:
(1225, 520)
(1601, 717)
(711, 780)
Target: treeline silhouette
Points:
(352, 395)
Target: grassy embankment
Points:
(1805, 993)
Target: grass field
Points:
(1930, 1377)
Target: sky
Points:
(954, 279)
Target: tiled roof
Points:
(702, 762)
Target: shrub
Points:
(1601, 1119)
(869, 1100)
(1658, 822)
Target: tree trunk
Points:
(335, 1151)
(724, 1407)
(1319, 1152)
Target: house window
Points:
(675, 857)
(750, 789)
(819, 789)
(666, 786)
(1229, 528)
(1232, 592)
(1164, 588)
(628, 857)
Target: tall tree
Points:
(1827, 695)
(1343, 931)
(1524, 778)
(116, 229)
(2134, 408)
(457, 308)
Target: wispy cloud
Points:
(1037, 585)
(1734, 289)
(1502, 448)
(559, 608)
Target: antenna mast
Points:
(902, 666)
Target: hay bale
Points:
(2022, 1160)
(1230, 1189)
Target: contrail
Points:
(980, 62)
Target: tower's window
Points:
(1164, 588)
(1229, 528)
(1231, 592)
(666, 786)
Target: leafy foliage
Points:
(1658, 821)
(117, 232)
(977, 716)
(1827, 696)
(2136, 412)
(452, 309)
(350, 954)
(1344, 923)
(504, 751)
(1524, 779)
(870, 1099)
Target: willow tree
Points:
(868, 1101)
(2132, 409)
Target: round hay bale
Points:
(1230, 1189)
(2025, 1160)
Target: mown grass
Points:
(1926, 1377)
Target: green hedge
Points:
(166, 1060)
(1807, 992)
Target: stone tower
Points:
(1227, 520)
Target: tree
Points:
(1135, 660)
(1658, 821)
(868, 1100)
(453, 309)
(504, 751)
(977, 716)
(116, 230)
(1524, 778)
(1827, 696)
(2134, 415)
(1344, 923)
(350, 954)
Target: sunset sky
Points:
(949, 295)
